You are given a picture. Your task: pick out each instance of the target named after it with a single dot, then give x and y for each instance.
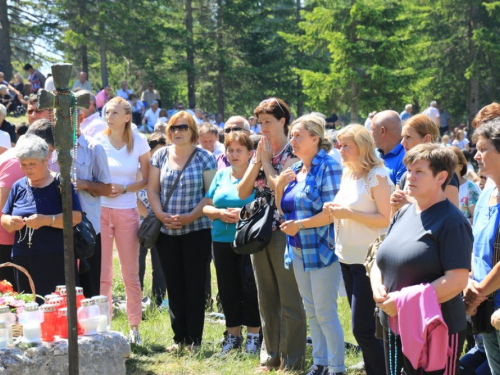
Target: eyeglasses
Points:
(229, 130)
(271, 100)
(181, 128)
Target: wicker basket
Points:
(17, 329)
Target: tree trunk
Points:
(190, 56)
(5, 55)
(473, 89)
(102, 50)
(84, 60)
(300, 98)
(354, 85)
(220, 62)
(354, 102)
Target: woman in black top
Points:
(437, 251)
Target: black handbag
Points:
(481, 321)
(255, 226)
(84, 236)
(149, 231)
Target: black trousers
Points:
(360, 297)
(46, 270)
(456, 343)
(7, 273)
(158, 288)
(237, 289)
(184, 262)
(91, 281)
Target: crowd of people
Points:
(427, 192)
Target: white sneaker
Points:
(232, 342)
(134, 337)
(317, 370)
(252, 344)
(360, 366)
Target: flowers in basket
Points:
(14, 300)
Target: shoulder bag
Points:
(150, 227)
(255, 226)
(481, 321)
(84, 236)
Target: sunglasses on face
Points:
(181, 128)
(229, 130)
(270, 100)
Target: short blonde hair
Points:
(361, 136)
(190, 123)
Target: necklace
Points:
(28, 232)
(393, 366)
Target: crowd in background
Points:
(426, 190)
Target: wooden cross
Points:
(63, 100)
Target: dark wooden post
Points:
(62, 101)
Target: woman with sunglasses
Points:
(281, 310)
(185, 240)
(125, 150)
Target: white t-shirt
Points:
(433, 113)
(123, 168)
(5, 140)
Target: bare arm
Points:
(38, 220)
(451, 284)
(96, 189)
(246, 185)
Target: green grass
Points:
(16, 120)
(156, 333)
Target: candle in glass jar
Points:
(103, 324)
(32, 332)
(3, 335)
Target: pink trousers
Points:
(122, 225)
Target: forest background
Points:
(225, 56)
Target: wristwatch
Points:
(301, 227)
(124, 189)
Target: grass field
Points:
(150, 358)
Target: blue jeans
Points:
(360, 297)
(319, 291)
(492, 346)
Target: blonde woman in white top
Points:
(361, 212)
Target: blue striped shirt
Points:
(321, 185)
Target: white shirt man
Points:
(5, 143)
(124, 91)
(433, 113)
(81, 83)
(151, 116)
